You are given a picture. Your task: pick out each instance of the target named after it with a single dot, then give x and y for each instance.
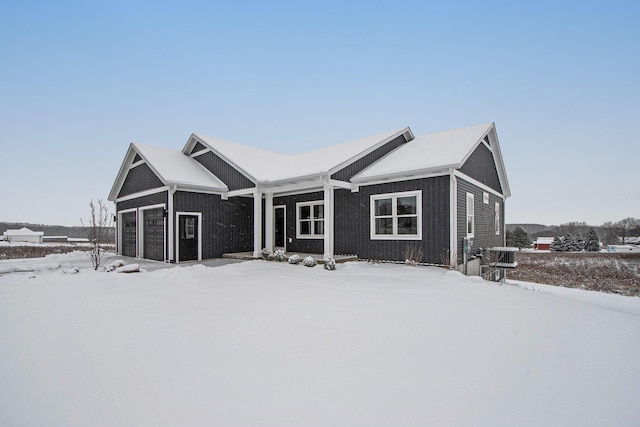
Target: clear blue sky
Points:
(80, 80)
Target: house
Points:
(543, 243)
(374, 197)
(23, 235)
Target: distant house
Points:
(543, 243)
(23, 235)
(375, 197)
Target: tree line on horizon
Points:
(569, 237)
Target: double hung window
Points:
(310, 220)
(470, 215)
(396, 216)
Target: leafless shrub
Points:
(413, 255)
(98, 227)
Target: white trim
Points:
(392, 178)
(472, 214)
(394, 216)
(453, 220)
(329, 204)
(119, 231)
(478, 184)
(372, 148)
(140, 230)
(496, 218)
(311, 220)
(257, 223)
(268, 221)
(184, 213)
(172, 223)
(142, 194)
(200, 153)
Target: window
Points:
(310, 224)
(396, 216)
(497, 219)
(470, 215)
(485, 198)
(190, 228)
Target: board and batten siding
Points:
(314, 245)
(224, 171)
(353, 221)
(484, 218)
(348, 172)
(141, 202)
(139, 178)
(227, 225)
(481, 166)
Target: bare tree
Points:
(626, 225)
(98, 228)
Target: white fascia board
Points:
(198, 189)
(405, 176)
(484, 187)
(122, 173)
(497, 155)
(476, 144)
(370, 150)
(142, 194)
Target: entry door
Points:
(154, 234)
(188, 243)
(279, 227)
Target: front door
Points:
(188, 237)
(279, 227)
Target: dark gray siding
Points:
(227, 225)
(482, 167)
(224, 171)
(484, 234)
(352, 224)
(346, 173)
(315, 246)
(197, 147)
(151, 199)
(139, 179)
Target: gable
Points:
(224, 171)
(139, 178)
(346, 173)
(197, 147)
(481, 166)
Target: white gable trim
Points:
(484, 187)
(193, 139)
(141, 194)
(406, 132)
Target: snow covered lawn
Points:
(266, 343)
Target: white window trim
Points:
(497, 218)
(394, 197)
(470, 213)
(312, 219)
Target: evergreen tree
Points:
(521, 238)
(568, 243)
(556, 245)
(510, 240)
(578, 243)
(592, 243)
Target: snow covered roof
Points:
(439, 151)
(174, 168)
(24, 231)
(267, 166)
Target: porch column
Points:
(257, 223)
(268, 221)
(328, 221)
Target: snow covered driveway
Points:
(266, 343)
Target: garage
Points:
(128, 245)
(153, 234)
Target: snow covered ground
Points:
(266, 343)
